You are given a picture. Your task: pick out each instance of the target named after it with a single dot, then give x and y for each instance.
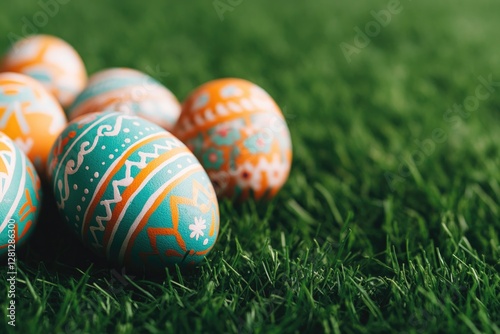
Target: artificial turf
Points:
(389, 221)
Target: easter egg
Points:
(129, 91)
(51, 61)
(133, 192)
(239, 135)
(20, 196)
(30, 116)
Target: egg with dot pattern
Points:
(51, 61)
(128, 91)
(20, 196)
(240, 136)
(133, 192)
(30, 116)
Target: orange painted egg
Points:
(30, 116)
(51, 61)
(20, 197)
(239, 135)
(129, 91)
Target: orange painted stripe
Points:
(92, 106)
(100, 193)
(145, 255)
(26, 229)
(28, 204)
(10, 81)
(212, 226)
(134, 186)
(36, 183)
(172, 252)
(204, 252)
(173, 209)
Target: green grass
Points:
(340, 249)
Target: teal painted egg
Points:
(133, 192)
(20, 196)
(129, 91)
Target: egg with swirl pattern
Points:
(133, 193)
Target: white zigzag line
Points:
(125, 182)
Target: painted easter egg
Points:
(20, 196)
(133, 192)
(30, 116)
(129, 91)
(239, 135)
(51, 61)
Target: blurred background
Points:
(293, 50)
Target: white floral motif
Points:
(197, 227)
(248, 176)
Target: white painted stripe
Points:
(140, 188)
(108, 171)
(148, 205)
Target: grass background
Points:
(340, 249)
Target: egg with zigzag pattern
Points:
(133, 193)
